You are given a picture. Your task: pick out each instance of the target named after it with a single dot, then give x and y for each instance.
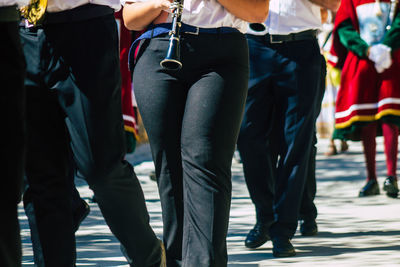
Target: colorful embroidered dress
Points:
(365, 95)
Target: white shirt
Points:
(13, 2)
(206, 14)
(61, 5)
(290, 16)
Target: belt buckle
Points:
(194, 33)
(271, 40)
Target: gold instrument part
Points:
(34, 11)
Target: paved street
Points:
(352, 231)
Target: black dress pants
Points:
(280, 111)
(308, 210)
(192, 118)
(74, 113)
(12, 112)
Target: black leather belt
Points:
(298, 36)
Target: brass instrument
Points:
(172, 59)
(34, 11)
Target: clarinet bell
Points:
(172, 60)
(257, 27)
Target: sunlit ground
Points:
(352, 231)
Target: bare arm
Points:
(324, 15)
(255, 11)
(137, 16)
(328, 4)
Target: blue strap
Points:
(159, 29)
(153, 31)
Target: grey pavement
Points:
(352, 231)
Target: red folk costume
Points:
(365, 95)
(130, 120)
(366, 43)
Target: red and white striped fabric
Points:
(125, 41)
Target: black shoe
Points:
(93, 199)
(371, 188)
(161, 263)
(258, 235)
(308, 228)
(282, 247)
(153, 176)
(80, 214)
(391, 187)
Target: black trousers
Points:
(74, 113)
(308, 210)
(192, 118)
(12, 112)
(284, 88)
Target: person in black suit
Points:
(75, 123)
(12, 103)
(285, 91)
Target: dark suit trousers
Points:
(280, 111)
(74, 113)
(12, 107)
(308, 210)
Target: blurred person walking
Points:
(326, 119)
(366, 46)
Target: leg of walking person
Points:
(256, 142)
(90, 95)
(12, 110)
(297, 81)
(75, 84)
(50, 200)
(389, 89)
(50, 174)
(80, 209)
(192, 125)
(368, 136)
(162, 117)
(390, 134)
(308, 210)
(209, 135)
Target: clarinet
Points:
(257, 27)
(172, 60)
